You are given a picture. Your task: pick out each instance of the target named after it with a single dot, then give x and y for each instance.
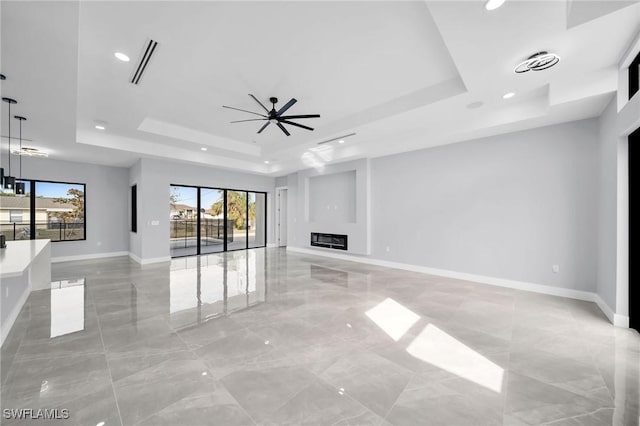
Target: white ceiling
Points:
(399, 74)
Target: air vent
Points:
(538, 62)
(142, 65)
(336, 139)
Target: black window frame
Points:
(134, 208)
(634, 76)
(32, 208)
(224, 200)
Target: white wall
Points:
(105, 204)
(613, 223)
(508, 207)
(154, 179)
(135, 178)
(302, 222)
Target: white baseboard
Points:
(617, 320)
(88, 256)
(272, 245)
(141, 261)
(7, 324)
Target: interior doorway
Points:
(281, 216)
(634, 289)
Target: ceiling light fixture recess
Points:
(100, 127)
(266, 161)
(203, 149)
(475, 105)
(493, 4)
(121, 56)
(508, 95)
(537, 62)
(30, 152)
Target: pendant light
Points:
(20, 187)
(9, 181)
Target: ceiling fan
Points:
(275, 117)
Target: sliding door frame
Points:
(225, 247)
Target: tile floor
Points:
(269, 337)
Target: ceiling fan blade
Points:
(252, 119)
(286, 117)
(264, 127)
(286, 107)
(244, 110)
(259, 103)
(283, 129)
(297, 125)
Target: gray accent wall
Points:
(509, 206)
(105, 203)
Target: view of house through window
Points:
(48, 210)
(210, 220)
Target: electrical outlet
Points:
(555, 268)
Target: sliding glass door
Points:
(212, 220)
(183, 220)
(212, 223)
(257, 208)
(237, 214)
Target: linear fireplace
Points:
(334, 241)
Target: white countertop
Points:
(18, 255)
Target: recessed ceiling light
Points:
(121, 56)
(99, 127)
(341, 141)
(203, 149)
(508, 95)
(493, 4)
(266, 161)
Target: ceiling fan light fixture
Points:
(493, 4)
(539, 61)
(508, 95)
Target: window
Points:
(634, 76)
(48, 210)
(134, 208)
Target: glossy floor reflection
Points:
(269, 337)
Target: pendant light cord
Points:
(20, 149)
(9, 138)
